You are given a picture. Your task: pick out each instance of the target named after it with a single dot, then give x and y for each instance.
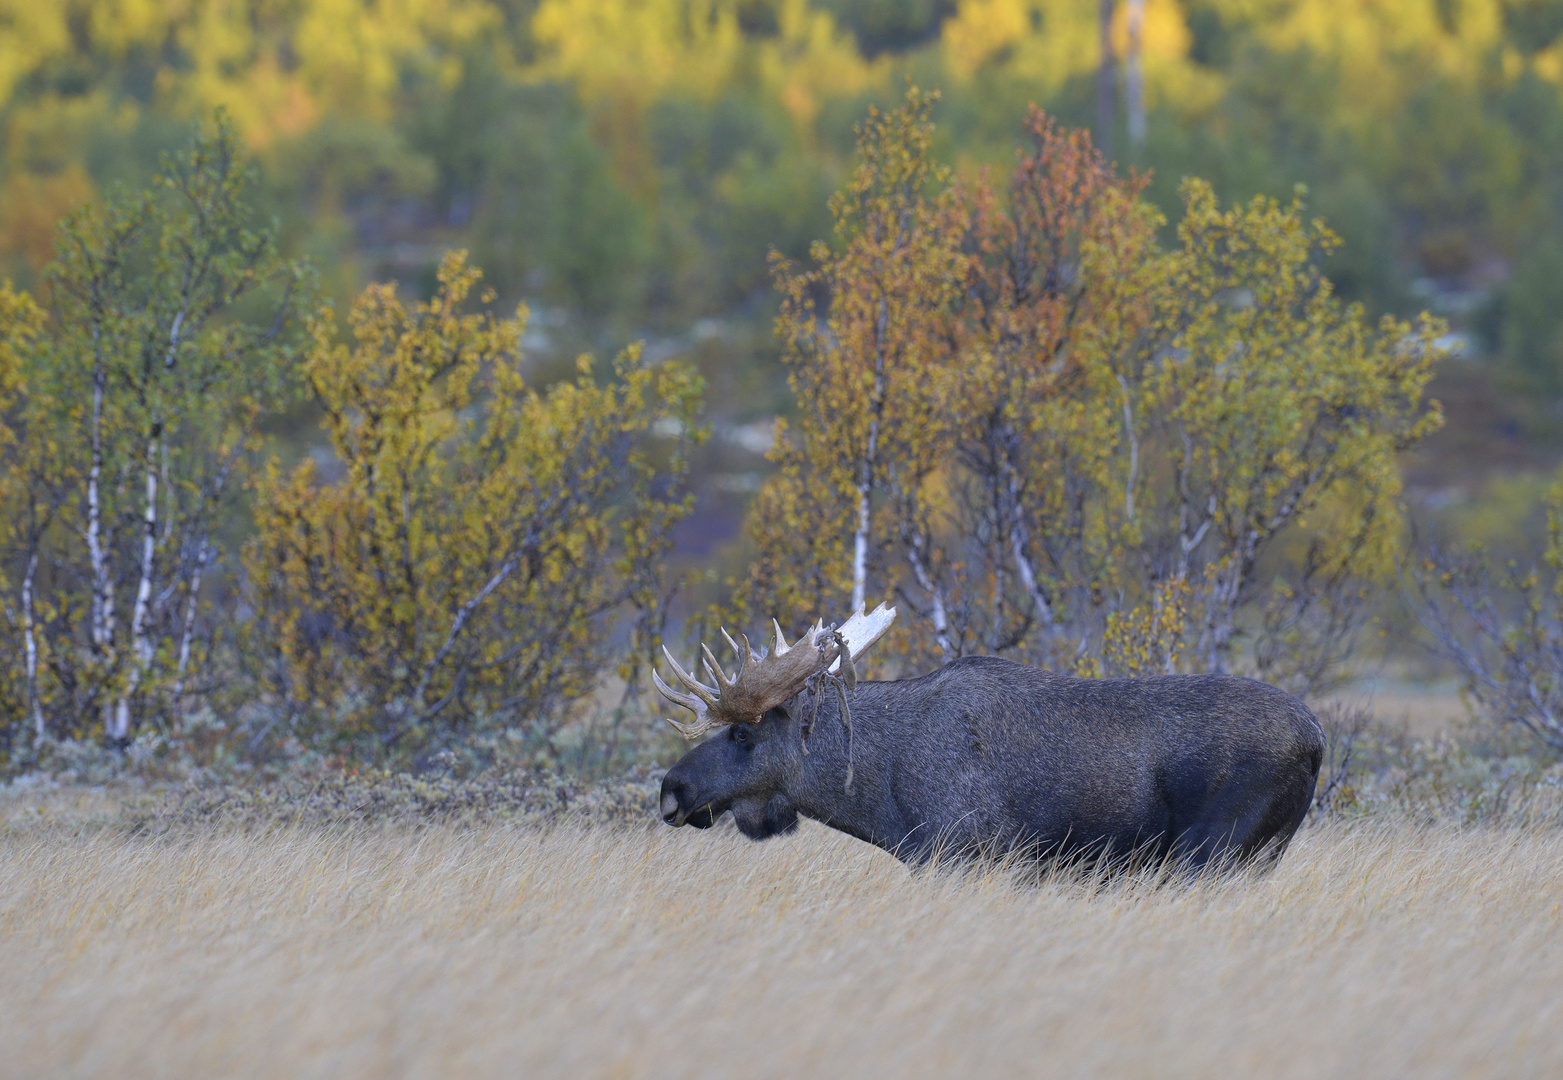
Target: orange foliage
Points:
(1034, 428)
(32, 206)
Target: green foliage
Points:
(462, 574)
(737, 183)
(535, 195)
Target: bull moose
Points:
(989, 755)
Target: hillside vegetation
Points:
(288, 482)
(632, 160)
(1020, 416)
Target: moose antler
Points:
(763, 680)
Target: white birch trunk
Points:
(102, 619)
(140, 639)
(860, 546)
(187, 633)
(941, 624)
(40, 730)
(865, 487)
(1028, 579)
(1019, 535)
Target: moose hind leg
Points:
(1241, 824)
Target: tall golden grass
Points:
(1376, 949)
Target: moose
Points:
(986, 755)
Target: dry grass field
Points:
(1377, 949)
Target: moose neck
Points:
(818, 787)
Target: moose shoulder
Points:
(988, 754)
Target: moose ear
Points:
(861, 631)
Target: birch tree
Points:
(1501, 625)
(1047, 459)
(1278, 411)
(866, 336)
(172, 318)
(21, 328)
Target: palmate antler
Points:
(763, 681)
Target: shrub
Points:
(464, 572)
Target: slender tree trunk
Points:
(102, 617)
(1134, 75)
(140, 638)
(1134, 451)
(860, 536)
(1187, 541)
(939, 616)
(1106, 80)
(1019, 538)
(868, 466)
(40, 730)
(187, 632)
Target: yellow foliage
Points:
(465, 567)
(31, 33)
(281, 65)
(629, 54)
(639, 50)
(1383, 51)
(1045, 42)
(22, 327)
(21, 324)
(1275, 398)
(276, 65)
(1144, 640)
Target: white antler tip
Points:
(862, 630)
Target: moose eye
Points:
(740, 735)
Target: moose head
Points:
(751, 767)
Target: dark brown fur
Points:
(990, 755)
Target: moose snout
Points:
(676, 801)
(686, 803)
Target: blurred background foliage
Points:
(625, 165)
(629, 162)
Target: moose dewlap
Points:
(988, 755)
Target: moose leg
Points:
(1240, 823)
